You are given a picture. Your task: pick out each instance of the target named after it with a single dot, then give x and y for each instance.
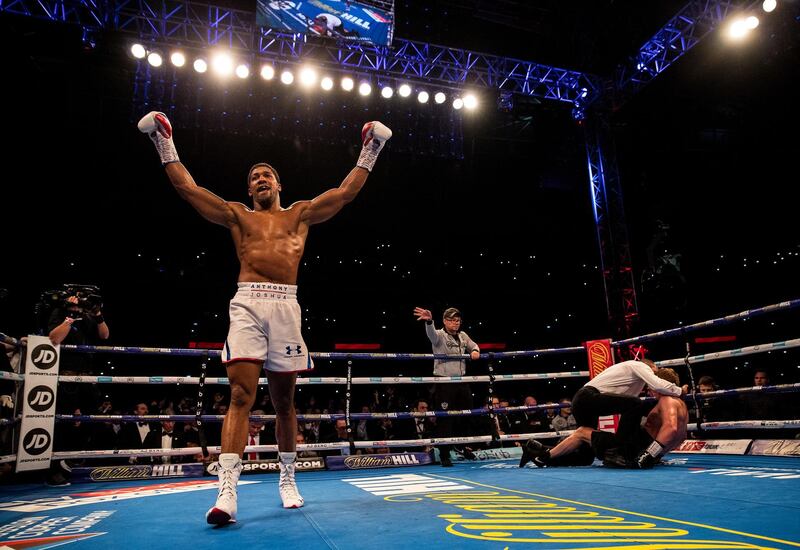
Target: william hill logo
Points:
(380, 461)
(109, 473)
(600, 355)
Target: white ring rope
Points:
(750, 350)
(325, 380)
(709, 426)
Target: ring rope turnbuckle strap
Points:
(201, 434)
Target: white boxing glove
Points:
(158, 127)
(374, 136)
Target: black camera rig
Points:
(89, 300)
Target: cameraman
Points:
(78, 320)
(74, 324)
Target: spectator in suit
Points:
(417, 428)
(165, 437)
(363, 430)
(761, 406)
(133, 434)
(504, 420)
(767, 406)
(257, 435)
(104, 434)
(529, 421)
(339, 434)
(301, 440)
(711, 409)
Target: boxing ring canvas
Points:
(692, 501)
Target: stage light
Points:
(738, 29)
(751, 22)
(178, 59)
(242, 71)
(326, 83)
(458, 103)
(138, 51)
(387, 92)
(440, 98)
(308, 77)
(287, 77)
(769, 5)
(364, 88)
(470, 101)
(267, 72)
(405, 90)
(155, 59)
(222, 64)
(347, 84)
(422, 97)
(200, 65)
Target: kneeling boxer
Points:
(664, 429)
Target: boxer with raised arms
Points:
(264, 328)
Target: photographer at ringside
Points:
(76, 319)
(79, 319)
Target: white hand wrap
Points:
(374, 136)
(655, 450)
(158, 127)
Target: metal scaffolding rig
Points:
(188, 24)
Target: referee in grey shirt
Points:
(450, 340)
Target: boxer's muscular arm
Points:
(209, 205)
(673, 423)
(673, 416)
(374, 136)
(329, 203)
(158, 127)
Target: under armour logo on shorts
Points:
(298, 350)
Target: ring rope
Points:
(133, 350)
(748, 424)
(328, 380)
(749, 350)
(778, 388)
(790, 304)
(60, 455)
(781, 388)
(313, 417)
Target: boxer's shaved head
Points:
(265, 165)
